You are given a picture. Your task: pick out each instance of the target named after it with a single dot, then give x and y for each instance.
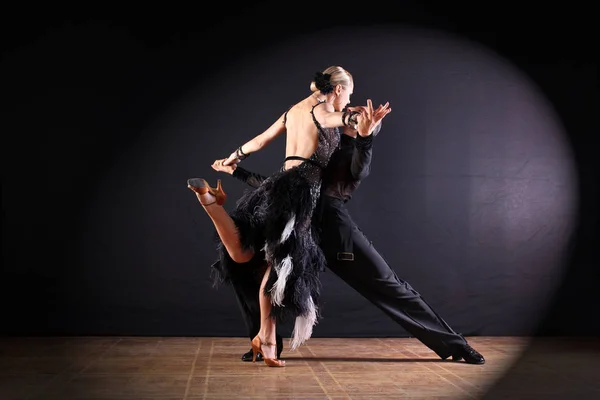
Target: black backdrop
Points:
(482, 194)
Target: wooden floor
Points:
(210, 368)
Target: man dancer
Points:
(352, 257)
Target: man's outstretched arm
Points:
(249, 178)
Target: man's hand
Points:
(218, 165)
(369, 118)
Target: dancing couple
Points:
(270, 243)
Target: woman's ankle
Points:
(206, 199)
(268, 338)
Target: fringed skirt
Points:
(274, 221)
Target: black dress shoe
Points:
(248, 356)
(279, 341)
(466, 352)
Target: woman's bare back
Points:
(302, 133)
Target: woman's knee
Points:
(242, 257)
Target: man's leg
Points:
(373, 278)
(246, 293)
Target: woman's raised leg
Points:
(212, 201)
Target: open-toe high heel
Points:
(256, 349)
(201, 187)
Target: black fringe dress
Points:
(275, 220)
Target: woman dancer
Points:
(276, 217)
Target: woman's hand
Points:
(232, 160)
(218, 166)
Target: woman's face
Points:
(343, 96)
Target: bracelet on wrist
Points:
(240, 154)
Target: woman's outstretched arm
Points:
(258, 142)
